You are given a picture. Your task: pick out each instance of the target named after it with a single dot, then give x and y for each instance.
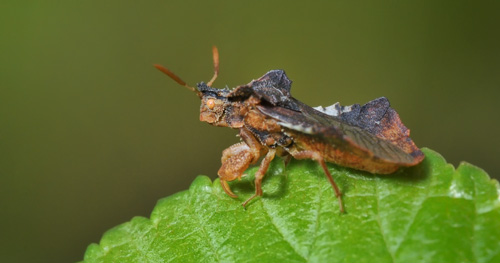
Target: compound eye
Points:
(211, 103)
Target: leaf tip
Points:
(201, 183)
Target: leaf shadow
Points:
(281, 189)
(411, 175)
(407, 175)
(276, 176)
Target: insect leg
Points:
(264, 165)
(235, 160)
(252, 142)
(286, 159)
(317, 157)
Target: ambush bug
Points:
(271, 122)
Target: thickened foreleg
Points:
(236, 159)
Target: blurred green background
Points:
(92, 134)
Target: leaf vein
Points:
(384, 238)
(316, 227)
(280, 232)
(419, 207)
(201, 226)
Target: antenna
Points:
(176, 78)
(215, 54)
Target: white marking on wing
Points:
(346, 109)
(332, 110)
(300, 128)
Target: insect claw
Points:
(248, 200)
(227, 189)
(342, 211)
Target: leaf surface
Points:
(428, 213)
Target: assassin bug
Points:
(271, 122)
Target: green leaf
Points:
(427, 213)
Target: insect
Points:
(271, 122)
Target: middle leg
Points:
(259, 175)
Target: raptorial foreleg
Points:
(237, 158)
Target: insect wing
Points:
(344, 132)
(273, 87)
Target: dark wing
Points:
(374, 128)
(273, 87)
(379, 119)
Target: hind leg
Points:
(317, 157)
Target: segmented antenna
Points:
(215, 54)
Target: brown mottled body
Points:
(271, 122)
(353, 159)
